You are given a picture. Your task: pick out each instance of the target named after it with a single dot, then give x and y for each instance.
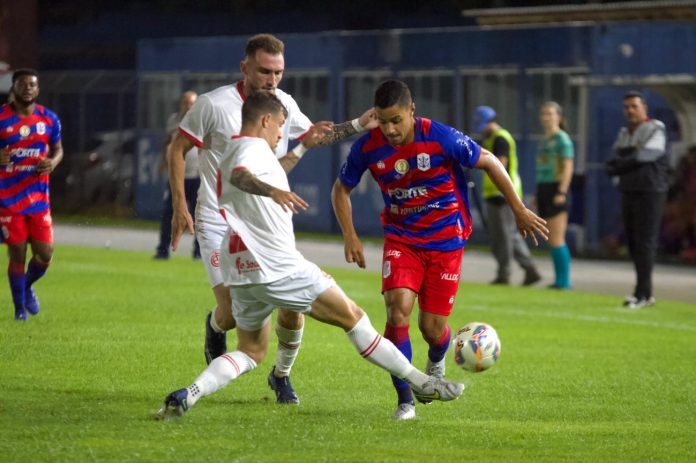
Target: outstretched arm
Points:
(527, 221)
(249, 183)
(343, 208)
(181, 218)
(367, 121)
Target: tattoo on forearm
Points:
(288, 162)
(339, 132)
(249, 183)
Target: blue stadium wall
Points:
(659, 48)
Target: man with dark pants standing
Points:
(506, 241)
(642, 165)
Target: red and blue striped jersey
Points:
(424, 188)
(22, 190)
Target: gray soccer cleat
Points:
(438, 389)
(436, 369)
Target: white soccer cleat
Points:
(436, 369)
(405, 411)
(438, 389)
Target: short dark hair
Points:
(392, 92)
(259, 103)
(24, 72)
(266, 42)
(634, 94)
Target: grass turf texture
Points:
(579, 378)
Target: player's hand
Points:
(45, 166)
(316, 134)
(353, 251)
(288, 200)
(181, 220)
(368, 119)
(531, 224)
(4, 157)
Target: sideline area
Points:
(677, 283)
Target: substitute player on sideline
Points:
(264, 270)
(30, 149)
(210, 124)
(416, 163)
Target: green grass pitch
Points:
(579, 378)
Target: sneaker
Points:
(284, 392)
(436, 369)
(642, 302)
(500, 281)
(405, 411)
(559, 288)
(175, 405)
(161, 256)
(31, 302)
(628, 300)
(438, 389)
(21, 314)
(531, 276)
(215, 343)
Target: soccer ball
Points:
(476, 346)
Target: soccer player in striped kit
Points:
(416, 163)
(30, 149)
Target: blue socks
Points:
(438, 351)
(398, 335)
(561, 264)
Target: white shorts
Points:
(210, 231)
(252, 304)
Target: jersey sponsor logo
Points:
(407, 193)
(246, 265)
(396, 210)
(393, 253)
(13, 168)
(423, 161)
(24, 131)
(386, 269)
(26, 152)
(380, 165)
(449, 276)
(215, 258)
(5, 219)
(41, 128)
(401, 166)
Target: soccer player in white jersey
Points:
(264, 270)
(210, 124)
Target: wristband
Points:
(356, 125)
(299, 150)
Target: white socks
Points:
(221, 371)
(288, 348)
(383, 353)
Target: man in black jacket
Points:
(642, 165)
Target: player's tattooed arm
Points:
(249, 183)
(338, 132)
(289, 161)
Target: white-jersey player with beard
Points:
(210, 124)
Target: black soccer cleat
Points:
(284, 392)
(215, 343)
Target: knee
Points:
(398, 313)
(290, 319)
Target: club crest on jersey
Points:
(24, 131)
(423, 161)
(215, 258)
(401, 166)
(386, 269)
(41, 128)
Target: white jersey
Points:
(260, 246)
(216, 117)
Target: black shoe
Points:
(560, 288)
(161, 256)
(500, 281)
(284, 392)
(215, 343)
(531, 276)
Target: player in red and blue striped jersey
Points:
(417, 164)
(30, 149)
